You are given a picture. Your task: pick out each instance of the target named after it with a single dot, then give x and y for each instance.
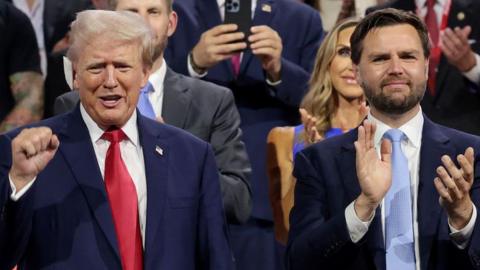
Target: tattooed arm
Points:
(27, 91)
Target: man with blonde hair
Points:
(103, 187)
(202, 108)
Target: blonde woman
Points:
(334, 104)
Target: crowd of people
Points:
(152, 135)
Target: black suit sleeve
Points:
(232, 160)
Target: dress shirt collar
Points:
(423, 3)
(158, 77)
(412, 129)
(130, 128)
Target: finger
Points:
(449, 183)
(228, 38)
(360, 143)
(464, 32)
(442, 190)
(303, 115)
(228, 48)
(54, 143)
(467, 173)
(317, 136)
(446, 41)
(28, 149)
(260, 29)
(264, 43)
(266, 52)
(386, 150)
(455, 40)
(222, 28)
(373, 128)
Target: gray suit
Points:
(207, 111)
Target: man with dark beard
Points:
(399, 192)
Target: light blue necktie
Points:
(398, 210)
(144, 105)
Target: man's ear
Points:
(172, 23)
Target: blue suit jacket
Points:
(261, 106)
(327, 184)
(64, 221)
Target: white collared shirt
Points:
(438, 7)
(132, 155)
(157, 78)
(411, 148)
(35, 14)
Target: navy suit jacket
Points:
(457, 100)
(64, 221)
(327, 183)
(261, 106)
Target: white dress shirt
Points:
(132, 155)
(473, 74)
(157, 78)
(35, 14)
(411, 148)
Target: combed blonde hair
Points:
(320, 100)
(115, 26)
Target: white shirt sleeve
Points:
(192, 72)
(473, 74)
(461, 237)
(356, 227)
(15, 196)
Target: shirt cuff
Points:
(461, 237)
(15, 196)
(192, 72)
(473, 74)
(356, 227)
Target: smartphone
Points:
(239, 12)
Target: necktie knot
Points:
(147, 88)
(114, 136)
(430, 3)
(394, 135)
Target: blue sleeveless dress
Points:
(299, 145)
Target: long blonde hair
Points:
(320, 100)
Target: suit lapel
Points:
(264, 13)
(374, 236)
(434, 145)
(155, 153)
(78, 151)
(176, 100)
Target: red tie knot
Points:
(114, 135)
(431, 3)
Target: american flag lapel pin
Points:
(266, 8)
(159, 150)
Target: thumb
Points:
(386, 151)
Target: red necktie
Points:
(122, 196)
(236, 64)
(432, 26)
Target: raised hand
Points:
(32, 150)
(217, 44)
(453, 184)
(309, 123)
(374, 173)
(456, 48)
(266, 44)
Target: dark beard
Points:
(385, 104)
